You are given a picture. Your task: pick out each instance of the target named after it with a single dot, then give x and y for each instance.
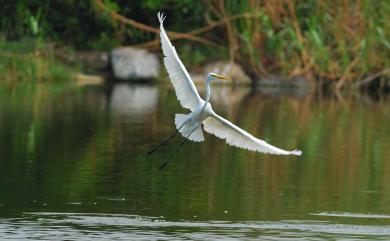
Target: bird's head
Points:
(213, 76)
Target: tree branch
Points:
(372, 77)
(148, 28)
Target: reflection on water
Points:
(133, 101)
(65, 153)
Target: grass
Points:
(31, 61)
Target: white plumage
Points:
(189, 125)
(236, 136)
(185, 89)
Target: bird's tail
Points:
(185, 128)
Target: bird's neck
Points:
(208, 93)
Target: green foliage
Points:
(314, 38)
(31, 61)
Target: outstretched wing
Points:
(184, 87)
(236, 136)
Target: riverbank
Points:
(327, 43)
(38, 61)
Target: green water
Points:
(69, 166)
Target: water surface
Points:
(70, 167)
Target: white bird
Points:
(190, 125)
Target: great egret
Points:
(190, 125)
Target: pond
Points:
(72, 166)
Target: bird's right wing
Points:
(236, 136)
(184, 87)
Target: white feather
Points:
(236, 136)
(184, 86)
(196, 133)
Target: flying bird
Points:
(202, 113)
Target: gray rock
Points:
(286, 82)
(131, 63)
(91, 60)
(232, 70)
(94, 60)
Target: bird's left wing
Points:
(236, 136)
(184, 87)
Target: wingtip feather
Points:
(161, 17)
(296, 152)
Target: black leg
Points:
(173, 154)
(164, 142)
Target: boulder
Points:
(232, 70)
(95, 60)
(284, 82)
(131, 63)
(91, 60)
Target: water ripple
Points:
(351, 215)
(83, 226)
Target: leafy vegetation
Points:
(341, 43)
(32, 61)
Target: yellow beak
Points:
(221, 77)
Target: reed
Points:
(342, 43)
(339, 42)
